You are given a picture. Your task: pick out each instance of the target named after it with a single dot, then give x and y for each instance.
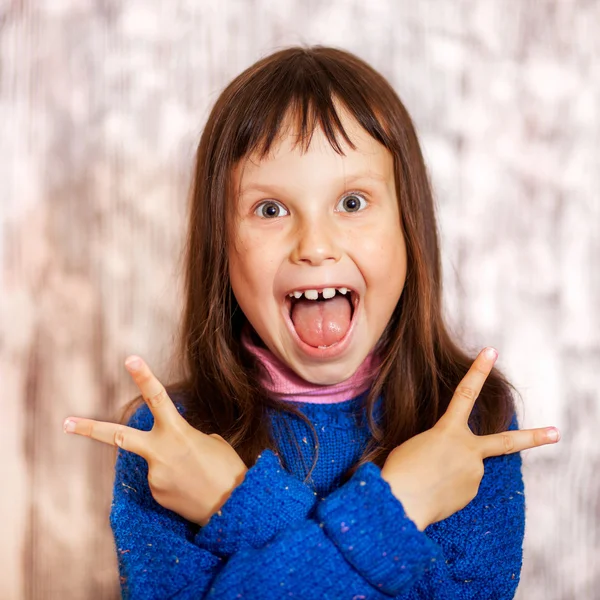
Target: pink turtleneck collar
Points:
(279, 379)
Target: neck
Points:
(277, 378)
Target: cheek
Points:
(383, 262)
(242, 250)
(252, 269)
(240, 271)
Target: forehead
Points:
(368, 157)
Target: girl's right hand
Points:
(436, 473)
(189, 472)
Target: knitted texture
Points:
(281, 536)
(269, 502)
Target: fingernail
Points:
(133, 363)
(553, 434)
(69, 426)
(491, 353)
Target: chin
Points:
(326, 374)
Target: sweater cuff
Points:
(369, 526)
(268, 499)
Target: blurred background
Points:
(101, 106)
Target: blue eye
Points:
(352, 203)
(270, 210)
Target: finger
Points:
(508, 442)
(114, 434)
(468, 389)
(153, 392)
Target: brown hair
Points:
(421, 365)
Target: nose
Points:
(315, 244)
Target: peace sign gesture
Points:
(436, 473)
(189, 472)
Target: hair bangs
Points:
(296, 97)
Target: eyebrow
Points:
(365, 177)
(352, 179)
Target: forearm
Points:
(268, 501)
(159, 559)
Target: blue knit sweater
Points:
(280, 537)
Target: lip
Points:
(334, 350)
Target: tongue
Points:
(321, 323)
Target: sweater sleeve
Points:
(269, 538)
(482, 543)
(155, 553)
(362, 545)
(358, 544)
(268, 500)
(160, 557)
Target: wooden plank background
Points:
(101, 106)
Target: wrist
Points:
(416, 510)
(205, 516)
(266, 502)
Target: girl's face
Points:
(315, 223)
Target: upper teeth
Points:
(314, 294)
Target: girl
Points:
(335, 442)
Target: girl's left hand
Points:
(189, 472)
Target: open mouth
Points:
(322, 317)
